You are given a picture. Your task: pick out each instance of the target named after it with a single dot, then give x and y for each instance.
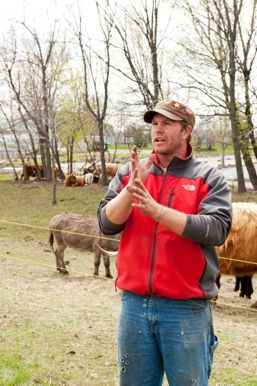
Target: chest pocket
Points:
(183, 194)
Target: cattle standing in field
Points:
(111, 169)
(238, 254)
(83, 234)
(31, 170)
(244, 284)
(89, 178)
(241, 242)
(95, 168)
(73, 180)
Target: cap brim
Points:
(148, 116)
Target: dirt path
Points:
(63, 328)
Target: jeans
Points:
(158, 335)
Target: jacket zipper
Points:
(170, 197)
(150, 281)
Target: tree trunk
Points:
(100, 125)
(233, 114)
(54, 198)
(248, 113)
(250, 168)
(57, 160)
(223, 146)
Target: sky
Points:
(17, 9)
(40, 14)
(39, 11)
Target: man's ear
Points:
(187, 131)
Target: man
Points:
(172, 210)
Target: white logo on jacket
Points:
(188, 187)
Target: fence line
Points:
(100, 237)
(57, 230)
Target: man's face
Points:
(167, 136)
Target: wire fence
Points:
(31, 261)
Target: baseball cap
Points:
(173, 110)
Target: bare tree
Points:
(217, 23)
(141, 34)
(32, 71)
(96, 90)
(246, 59)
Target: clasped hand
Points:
(143, 200)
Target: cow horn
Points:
(107, 253)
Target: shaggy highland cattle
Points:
(244, 285)
(81, 233)
(31, 170)
(111, 169)
(73, 180)
(238, 254)
(95, 168)
(89, 178)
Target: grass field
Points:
(61, 330)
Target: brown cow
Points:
(95, 168)
(82, 233)
(238, 254)
(240, 248)
(30, 170)
(73, 180)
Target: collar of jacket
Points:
(177, 162)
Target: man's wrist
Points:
(161, 213)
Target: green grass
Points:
(235, 377)
(31, 204)
(6, 177)
(13, 371)
(215, 150)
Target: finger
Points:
(133, 165)
(143, 194)
(138, 197)
(129, 189)
(140, 184)
(134, 154)
(134, 148)
(134, 170)
(136, 205)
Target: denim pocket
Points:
(214, 344)
(212, 348)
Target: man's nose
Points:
(158, 127)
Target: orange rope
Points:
(57, 230)
(101, 237)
